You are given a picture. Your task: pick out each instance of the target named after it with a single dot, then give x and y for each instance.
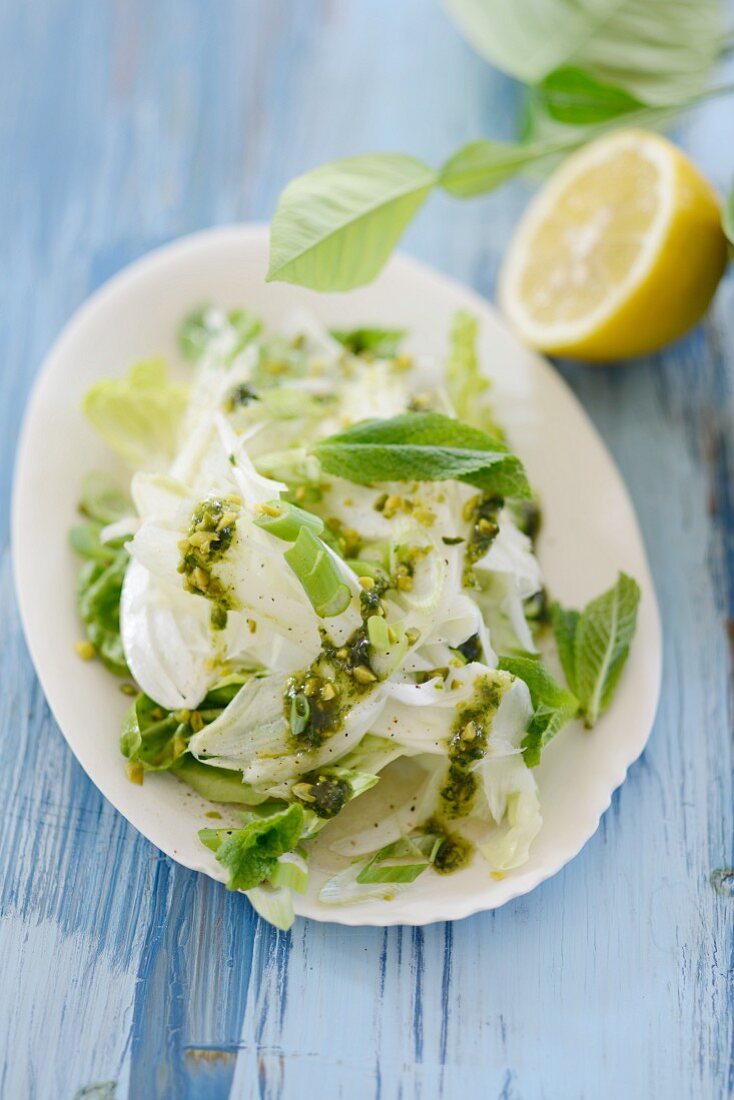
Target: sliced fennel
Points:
(322, 578)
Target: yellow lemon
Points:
(619, 253)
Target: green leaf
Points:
(216, 784)
(658, 50)
(565, 623)
(152, 736)
(467, 386)
(251, 854)
(402, 861)
(318, 573)
(594, 644)
(481, 166)
(99, 589)
(371, 343)
(138, 416)
(554, 706)
(157, 739)
(576, 98)
(335, 227)
(103, 500)
(728, 218)
(85, 541)
(422, 447)
(603, 636)
(205, 325)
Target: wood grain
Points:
(125, 124)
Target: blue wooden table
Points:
(126, 123)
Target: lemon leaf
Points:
(658, 50)
(576, 98)
(335, 227)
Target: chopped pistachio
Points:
(303, 791)
(85, 650)
(268, 510)
(363, 675)
(134, 771)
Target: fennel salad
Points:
(319, 571)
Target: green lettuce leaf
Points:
(216, 784)
(204, 326)
(99, 589)
(156, 739)
(102, 500)
(467, 386)
(554, 706)
(138, 416)
(250, 854)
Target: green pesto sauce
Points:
(454, 853)
(326, 795)
(331, 684)
(485, 528)
(528, 517)
(468, 744)
(212, 530)
(338, 677)
(239, 397)
(455, 850)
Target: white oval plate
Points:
(589, 533)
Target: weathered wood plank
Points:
(126, 124)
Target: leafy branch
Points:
(589, 66)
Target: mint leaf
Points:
(565, 624)
(576, 98)
(600, 638)
(251, 854)
(334, 227)
(554, 705)
(372, 343)
(422, 447)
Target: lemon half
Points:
(619, 253)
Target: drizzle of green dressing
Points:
(317, 700)
(212, 530)
(468, 743)
(454, 853)
(482, 512)
(331, 684)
